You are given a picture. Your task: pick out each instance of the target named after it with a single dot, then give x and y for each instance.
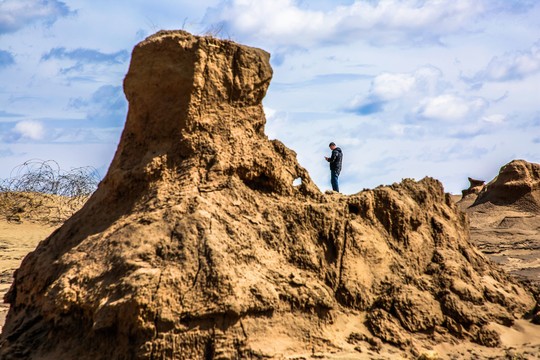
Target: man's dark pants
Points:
(334, 180)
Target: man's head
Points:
(332, 145)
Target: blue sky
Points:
(407, 88)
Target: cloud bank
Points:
(16, 14)
(82, 56)
(510, 66)
(383, 21)
(388, 88)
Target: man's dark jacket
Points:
(335, 160)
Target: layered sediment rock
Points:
(197, 245)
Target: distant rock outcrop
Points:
(504, 219)
(474, 188)
(518, 183)
(196, 245)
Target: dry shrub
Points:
(40, 191)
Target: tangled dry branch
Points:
(40, 190)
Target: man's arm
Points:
(334, 156)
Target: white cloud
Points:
(449, 107)
(494, 118)
(269, 112)
(15, 14)
(273, 19)
(389, 21)
(392, 86)
(511, 66)
(30, 129)
(387, 87)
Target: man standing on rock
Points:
(335, 165)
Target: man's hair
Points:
(332, 144)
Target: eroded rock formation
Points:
(475, 186)
(518, 183)
(197, 245)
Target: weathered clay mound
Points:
(518, 183)
(197, 245)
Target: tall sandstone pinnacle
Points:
(196, 244)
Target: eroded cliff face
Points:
(198, 246)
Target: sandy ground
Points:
(17, 240)
(521, 341)
(509, 237)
